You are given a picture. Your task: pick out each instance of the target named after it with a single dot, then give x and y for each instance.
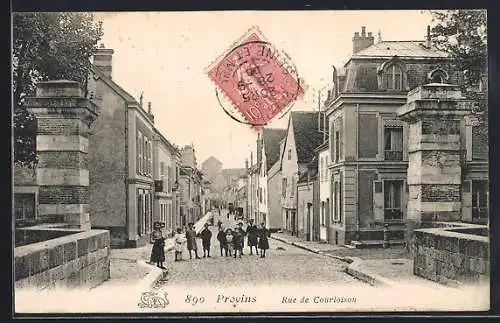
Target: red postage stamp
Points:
(258, 80)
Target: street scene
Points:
(246, 168)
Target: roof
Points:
(272, 138)
(311, 173)
(118, 89)
(306, 134)
(410, 48)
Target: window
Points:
(283, 187)
(289, 154)
(437, 76)
(260, 194)
(479, 199)
(393, 199)
(327, 171)
(393, 143)
(292, 193)
(394, 78)
(139, 152)
(337, 146)
(24, 206)
(169, 179)
(336, 202)
(162, 168)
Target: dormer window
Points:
(394, 77)
(391, 75)
(437, 75)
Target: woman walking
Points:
(158, 252)
(263, 241)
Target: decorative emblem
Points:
(153, 300)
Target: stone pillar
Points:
(433, 113)
(64, 116)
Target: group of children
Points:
(230, 241)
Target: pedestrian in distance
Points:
(179, 240)
(206, 236)
(229, 241)
(253, 236)
(221, 237)
(191, 241)
(158, 252)
(264, 234)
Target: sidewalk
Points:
(389, 267)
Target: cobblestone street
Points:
(283, 264)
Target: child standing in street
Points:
(206, 236)
(221, 237)
(179, 241)
(229, 240)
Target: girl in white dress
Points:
(179, 240)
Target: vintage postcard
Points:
(250, 162)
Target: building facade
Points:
(166, 163)
(368, 144)
(269, 145)
(303, 136)
(307, 186)
(120, 159)
(324, 190)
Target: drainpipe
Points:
(357, 172)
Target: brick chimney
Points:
(103, 59)
(362, 41)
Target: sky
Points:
(165, 54)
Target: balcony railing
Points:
(393, 214)
(393, 155)
(479, 213)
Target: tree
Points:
(46, 46)
(463, 34)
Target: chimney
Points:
(149, 108)
(428, 43)
(103, 59)
(259, 147)
(363, 41)
(251, 158)
(246, 163)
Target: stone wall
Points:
(452, 255)
(76, 260)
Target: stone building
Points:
(190, 187)
(122, 162)
(166, 163)
(308, 188)
(369, 145)
(274, 191)
(269, 145)
(323, 175)
(303, 136)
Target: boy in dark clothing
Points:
(206, 236)
(158, 252)
(221, 237)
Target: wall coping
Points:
(39, 246)
(446, 232)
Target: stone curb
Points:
(354, 269)
(152, 277)
(317, 251)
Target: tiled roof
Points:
(272, 138)
(410, 48)
(307, 136)
(312, 172)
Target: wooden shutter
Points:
(378, 201)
